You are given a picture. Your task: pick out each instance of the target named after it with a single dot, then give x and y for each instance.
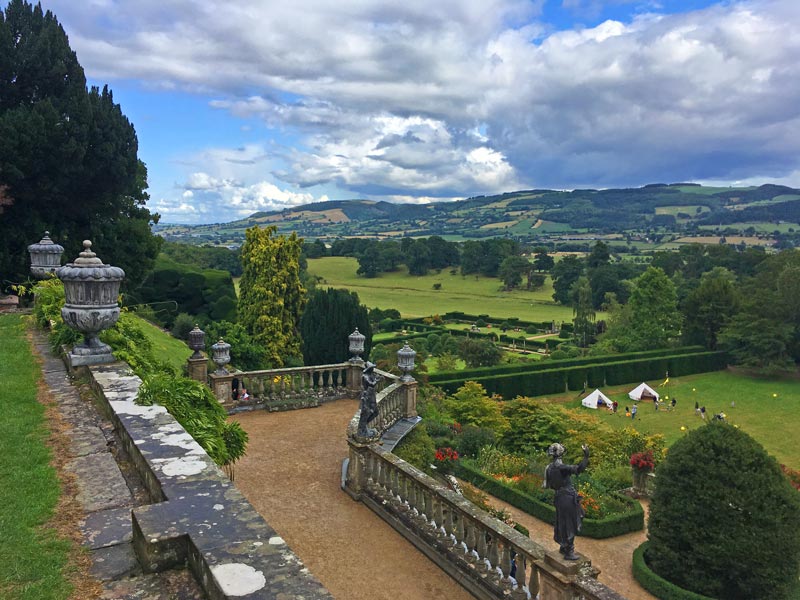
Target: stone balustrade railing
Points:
(295, 387)
(491, 559)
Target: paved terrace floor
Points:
(292, 475)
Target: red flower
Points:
(643, 460)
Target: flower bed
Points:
(629, 518)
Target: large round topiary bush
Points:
(724, 521)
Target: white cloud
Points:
(460, 97)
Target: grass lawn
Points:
(415, 296)
(165, 347)
(32, 557)
(772, 420)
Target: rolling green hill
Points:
(650, 213)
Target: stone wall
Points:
(198, 518)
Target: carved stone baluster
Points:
(505, 565)
(439, 512)
(471, 541)
(481, 549)
(533, 581)
(494, 559)
(459, 530)
(519, 592)
(450, 519)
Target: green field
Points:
(415, 296)
(772, 420)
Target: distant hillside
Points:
(527, 215)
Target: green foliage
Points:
(272, 297)
(533, 425)
(565, 274)
(496, 462)
(328, 319)
(173, 288)
(183, 324)
(204, 257)
(68, 155)
(195, 407)
(472, 439)
(47, 313)
(130, 344)
(710, 307)
(470, 405)
(417, 448)
(583, 311)
(479, 352)
(650, 319)
(724, 521)
(658, 586)
(246, 354)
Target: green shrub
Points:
(183, 324)
(658, 586)
(613, 477)
(195, 407)
(417, 448)
(724, 520)
(472, 439)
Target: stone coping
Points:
(198, 517)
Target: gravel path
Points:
(292, 475)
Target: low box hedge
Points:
(657, 585)
(632, 520)
(560, 377)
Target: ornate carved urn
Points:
(356, 345)
(45, 257)
(197, 341)
(221, 355)
(91, 289)
(405, 361)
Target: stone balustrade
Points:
(296, 387)
(489, 558)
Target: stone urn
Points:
(640, 481)
(91, 289)
(45, 257)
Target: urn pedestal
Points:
(91, 289)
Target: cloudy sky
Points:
(266, 104)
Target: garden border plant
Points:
(611, 526)
(655, 584)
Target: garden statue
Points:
(369, 403)
(569, 513)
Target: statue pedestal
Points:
(197, 369)
(222, 386)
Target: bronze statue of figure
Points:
(369, 403)
(569, 513)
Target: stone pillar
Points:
(354, 370)
(198, 369)
(222, 386)
(355, 479)
(555, 578)
(410, 392)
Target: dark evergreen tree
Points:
(542, 261)
(724, 520)
(329, 317)
(68, 156)
(565, 273)
(418, 258)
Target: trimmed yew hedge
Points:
(560, 377)
(632, 520)
(657, 585)
(547, 365)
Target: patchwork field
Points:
(415, 296)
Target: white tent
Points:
(595, 399)
(642, 391)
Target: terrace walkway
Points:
(292, 476)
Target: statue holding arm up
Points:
(369, 403)
(569, 513)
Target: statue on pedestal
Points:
(369, 403)
(569, 513)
